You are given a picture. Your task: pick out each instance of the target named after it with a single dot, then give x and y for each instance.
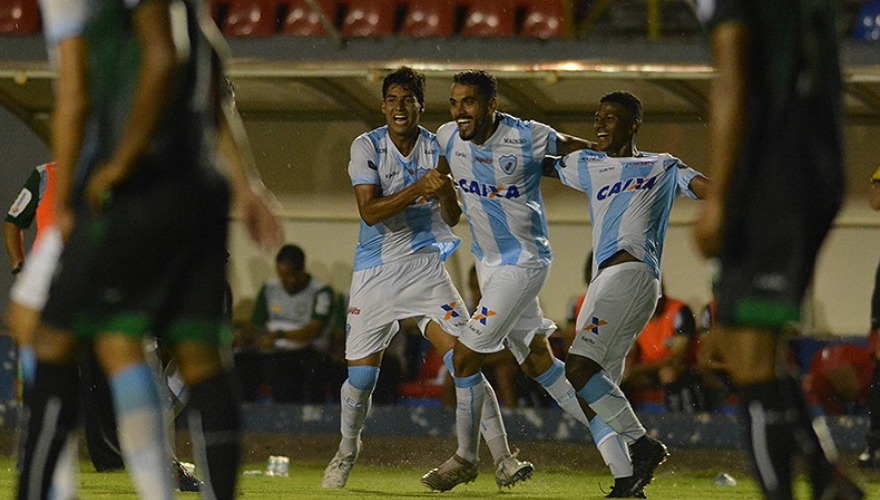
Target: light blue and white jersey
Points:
(630, 200)
(499, 183)
(63, 19)
(376, 160)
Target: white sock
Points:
(607, 400)
(141, 431)
(492, 427)
(554, 382)
(356, 398)
(612, 447)
(64, 482)
(470, 394)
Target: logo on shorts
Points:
(483, 315)
(354, 311)
(594, 325)
(450, 311)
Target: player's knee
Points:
(197, 361)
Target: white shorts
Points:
(618, 305)
(519, 340)
(31, 287)
(509, 303)
(418, 287)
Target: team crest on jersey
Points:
(483, 315)
(488, 190)
(450, 311)
(634, 184)
(508, 163)
(594, 325)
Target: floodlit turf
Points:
(399, 483)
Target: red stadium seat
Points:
(490, 18)
(250, 18)
(301, 20)
(429, 18)
(545, 20)
(19, 17)
(368, 18)
(839, 375)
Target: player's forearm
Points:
(379, 208)
(14, 242)
(566, 144)
(68, 123)
(728, 104)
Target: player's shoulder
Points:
(447, 130)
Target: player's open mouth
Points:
(400, 119)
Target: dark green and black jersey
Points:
(185, 138)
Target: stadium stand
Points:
(368, 18)
(300, 19)
(490, 19)
(19, 17)
(429, 18)
(248, 17)
(546, 20)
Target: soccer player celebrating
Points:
(496, 161)
(406, 207)
(630, 194)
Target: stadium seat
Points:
(838, 377)
(19, 17)
(429, 18)
(545, 20)
(250, 18)
(301, 20)
(368, 18)
(490, 18)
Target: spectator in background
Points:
(870, 457)
(662, 357)
(291, 320)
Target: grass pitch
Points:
(375, 481)
(390, 467)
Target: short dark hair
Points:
(486, 84)
(408, 78)
(293, 255)
(628, 100)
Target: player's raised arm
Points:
(727, 110)
(701, 186)
(566, 144)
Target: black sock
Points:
(52, 409)
(768, 437)
(874, 400)
(215, 428)
(819, 466)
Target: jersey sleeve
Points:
(876, 177)
(323, 305)
(363, 168)
(24, 208)
(685, 175)
(569, 169)
(543, 140)
(63, 19)
(444, 138)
